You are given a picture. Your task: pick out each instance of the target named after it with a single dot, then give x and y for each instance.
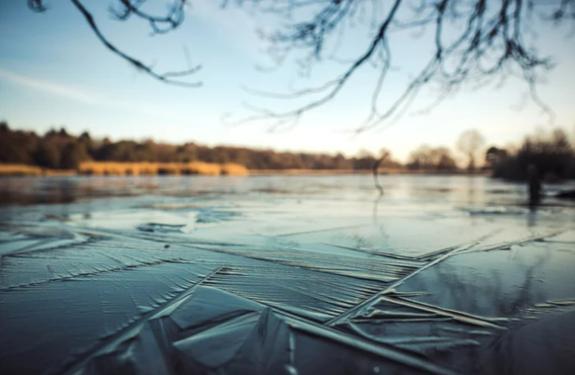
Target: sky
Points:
(54, 73)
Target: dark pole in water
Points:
(534, 181)
(375, 171)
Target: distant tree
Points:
(48, 154)
(85, 137)
(63, 133)
(470, 143)
(340, 162)
(17, 146)
(86, 140)
(432, 159)
(494, 155)
(550, 154)
(364, 160)
(73, 154)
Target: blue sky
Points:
(53, 72)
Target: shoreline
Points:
(202, 169)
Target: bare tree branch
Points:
(473, 40)
(159, 24)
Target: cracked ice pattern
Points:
(291, 275)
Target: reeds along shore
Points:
(130, 169)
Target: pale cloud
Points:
(49, 87)
(84, 96)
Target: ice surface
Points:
(293, 275)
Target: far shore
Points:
(196, 168)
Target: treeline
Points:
(551, 154)
(58, 149)
(427, 158)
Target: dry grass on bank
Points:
(19, 170)
(146, 168)
(129, 169)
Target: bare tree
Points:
(470, 144)
(473, 40)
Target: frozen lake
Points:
(294, 275)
